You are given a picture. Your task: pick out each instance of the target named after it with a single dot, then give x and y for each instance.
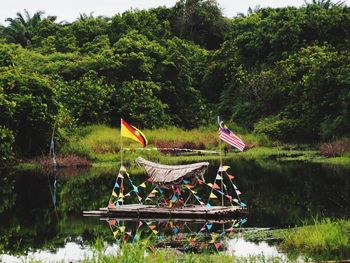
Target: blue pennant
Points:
(136, 190)
(174, 198)
(175, 230)
(186, 181)
(209, 226)
(243, 204)
(116, 185)
(244, 221)
(208, 205)
(160, 191)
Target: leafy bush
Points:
(335, 148)
(277, 128)
(6, 146)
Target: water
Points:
(40, 212)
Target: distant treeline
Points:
(283, 72)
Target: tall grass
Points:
(141, 252)
(99, 142)
(324, 236)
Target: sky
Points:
(69, 10)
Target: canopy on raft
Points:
(169, 174)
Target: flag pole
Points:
(121, 143)
(222, 180)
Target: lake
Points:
(41, 211)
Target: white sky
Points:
(69, 10)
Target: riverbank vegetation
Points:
(276, 72)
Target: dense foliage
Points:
(281, 72)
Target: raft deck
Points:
(187, 212)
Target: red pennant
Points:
(217, 245)
(215, 186)
(189, 186)
(231, 177)
(229, 197)
(152, 227)
(200, 181)
(150, 180)
(111, 205)
(112, 222)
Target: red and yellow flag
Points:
(133, 133)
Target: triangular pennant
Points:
(155, 232)
(226, 167)
(140, 198)
(120, 175)
(149, 199)
(136, 189)
(208, 205)
(209, 226)
(217, 245)
(122, 168)
(244, 221)
(200, 181)
(231, 177)
(151, 195)
(140, 224)
(129, 234)
(122, 229)
(212, 196)
(186, 181)
(143, 185)
(174, 198)
(215, 186)
(152, 227)
(121, 195)
(154, 191)
(112, 222)
(235, 187)
(128, 194)
(161, 191)
(111, 205)
(218, 177)
(202, 203)
(236, 201)
(189, 186)
(114, 194)
(115, 233)
(238, 192)
(210, 184)
(116, 185)
(193, 192)
(221, 169)
(229, 197)
(243, 204)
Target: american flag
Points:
(228, 136)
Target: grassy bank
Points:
(101, 144)
(143, 253)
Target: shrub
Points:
(6, 146)
(335, 148)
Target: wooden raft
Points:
(152, 211)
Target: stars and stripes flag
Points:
(228, 136)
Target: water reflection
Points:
(42, 211)
(182, 235)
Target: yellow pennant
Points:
(143, 185)
(210, 184)
(155, 232)
(212, 196)
(115, 233)
(121, 195)
(154, 191)
(114, 194)
(193, 192)
(226, 167)
(122, 229)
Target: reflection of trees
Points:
(7, 195)
(282, 194)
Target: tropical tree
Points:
(22, 28)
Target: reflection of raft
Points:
(152, 211)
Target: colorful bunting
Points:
(226, 167)
(115, 233)
(209, 226)
(238, 192)
(200, 181)
(112, 222)
(218, 177)
(121, 195)
(114, 194)
(215, 186)
(186, 181)
(120, 176)
(174, 198)
(136, 189)
(217, 245)
(231, 177)
(212, 196)
(154, 191)
(143, 185)
(116, 185)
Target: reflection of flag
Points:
(133, 133)
(228, 136)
